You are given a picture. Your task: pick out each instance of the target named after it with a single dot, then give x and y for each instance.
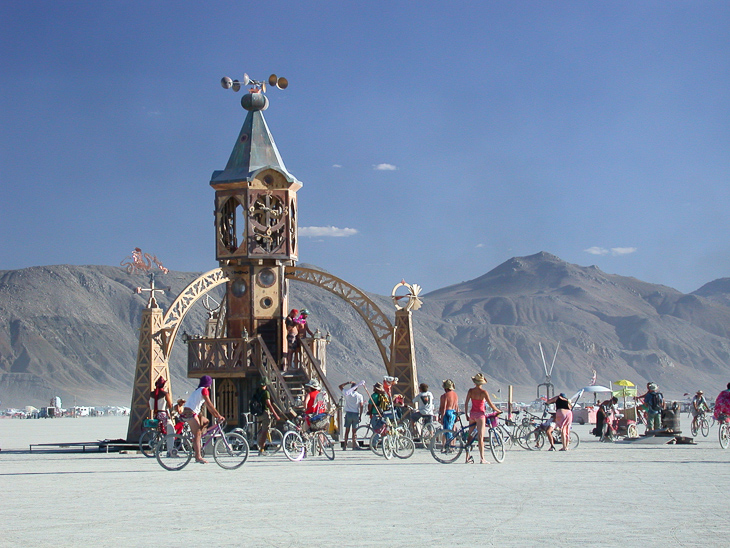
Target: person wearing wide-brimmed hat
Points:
(448, 405)
(378, 404)
(479, 398)
(697, 408)
(314, 403)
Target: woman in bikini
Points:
(479, 398)
(191, 413)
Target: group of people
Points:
(296, 329)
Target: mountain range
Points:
(72, 331)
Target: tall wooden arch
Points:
(377, 322)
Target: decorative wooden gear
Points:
(408, 300)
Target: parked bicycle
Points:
(230, 450)
(422, 428)
(392, 438)
(247, 429)
(298, 443)
(448, 445)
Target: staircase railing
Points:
(313, 370)
(268, 368)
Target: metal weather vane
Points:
(141, 262)
(408, 300)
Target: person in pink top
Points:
(479, 398)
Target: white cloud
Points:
(336, 165)
(480, 245)
(622, 250)
(615, 251)
(596, 250)
(384, 167)
(331, 231)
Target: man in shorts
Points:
(262, 395)
(353, 405)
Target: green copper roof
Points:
(254, 150)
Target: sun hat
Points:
(700, 392)
(205, 381)
(448, 384)
(652, 386)
(304, 312)
(479, 379)
(313, 384)
(378, 387)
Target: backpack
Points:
(657, 401)
(256, 406)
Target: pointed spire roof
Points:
(255, 148)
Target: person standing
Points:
(448, 405)
(479, 398)
(302, 326)
(292, 339)
(267, 411)
(191, 413)
(353, 405)
(654, 401)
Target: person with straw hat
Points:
(479, 398)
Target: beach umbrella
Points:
(626, 391)
(624, 382)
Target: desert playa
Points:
(607, 494)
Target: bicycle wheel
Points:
(403, 446)
(272, 444)
(446, 446)
(148, 442)
(230, 451)
(694, 428)
(574, 440)
(427, 433)
(496, 444)
(363, 434)
(705, 427)
(506, 436)
(522, 436)
(376, 444)
(293, 446)
(540, 438)
(387, 444)
(325, 445)
(177, 456)
(724, 436)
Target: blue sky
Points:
(446, 137)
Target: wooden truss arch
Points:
(183, 303)
(378, 323)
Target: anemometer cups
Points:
(255, 101)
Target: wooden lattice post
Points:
(151, 364)
(404, 356)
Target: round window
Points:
(267, 277)
(238, 288)
(267, 302)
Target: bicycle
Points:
(230, 450)
(297, 442)
(150, 437)
(447, 445)
(421, 429)
(274, 436)
(392, 438)
(724, 433)
(700, 424)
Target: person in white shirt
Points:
(424, 403)
(353, 404)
